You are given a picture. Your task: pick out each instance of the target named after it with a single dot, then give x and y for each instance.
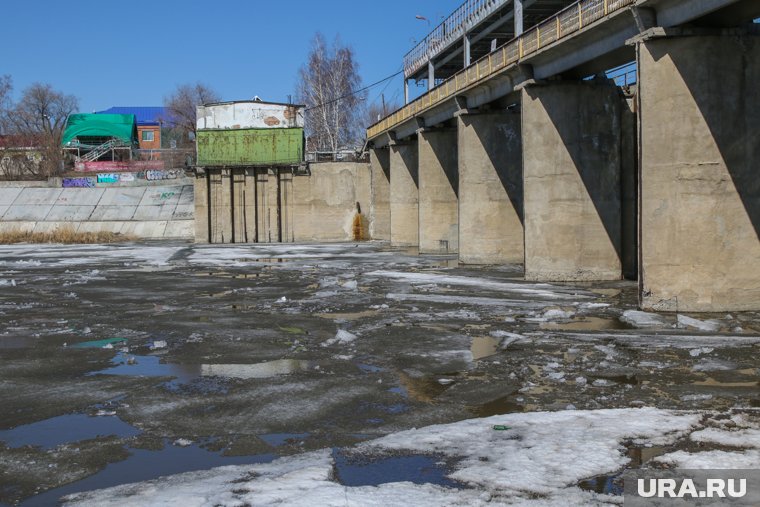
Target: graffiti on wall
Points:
(108, 178)
(169, 174)
(78, 182)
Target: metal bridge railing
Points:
(567, 21)
(451, 29)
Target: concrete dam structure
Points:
(532, 155)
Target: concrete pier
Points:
(438, 184)
(404, 194)
(700, 184)
(380, 209)
(201, 207)
(490, 188)
(572, 167)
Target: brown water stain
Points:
(484, 346)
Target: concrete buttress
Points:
(700, 172)
(404, 194)
(572, 177)
(380, 211)
(438, 184)
(490, 188)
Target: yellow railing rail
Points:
(567, 21)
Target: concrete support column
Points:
(380, 210)
(249, 203)
(700, 184)
(518, 15)
(220, 186)
(200, 196)
(431, 75)
(467, 50)
(404, 194)
(490, 188)
(572, 175)
(239, 232)
(438, 185)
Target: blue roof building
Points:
(145, 115)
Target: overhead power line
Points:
(355, 91)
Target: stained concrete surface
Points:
(231, 354)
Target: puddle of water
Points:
(585, 324)
(99, 344)
(642, 455)
(607, 292)
(347, 315)
(399, 390)
(418, 469)
(631, 380)
(503, 405)
(149, 366)
(279, 439)
(484, 346)
(145, 465)
(451, 262)
(604, 484)
(66, 428)
(424, 389)
(711, 382)
(612, 484)
(16, 342)
(155, 366)
(394, 409)
(260, 370)
(369, 368)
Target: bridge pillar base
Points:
(404, 194)
(572, 176)
(438, 184)
(700, 179)
(200, 193)
(490, 188)
(380, 210)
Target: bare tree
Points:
(328, 84)
(378, 110)
(180, 106)
(41, 115)
(6, 87)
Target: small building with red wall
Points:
(149, 122)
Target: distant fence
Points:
(178, 157)
(337, 156)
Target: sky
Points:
(136, 53)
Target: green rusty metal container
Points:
(250, 147)
(250, 133)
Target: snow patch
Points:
(343, 337)
(637, 318)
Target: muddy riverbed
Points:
(129, 362)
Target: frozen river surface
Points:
(349, 374)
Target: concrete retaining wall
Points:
(155, 211)
(247, 205)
